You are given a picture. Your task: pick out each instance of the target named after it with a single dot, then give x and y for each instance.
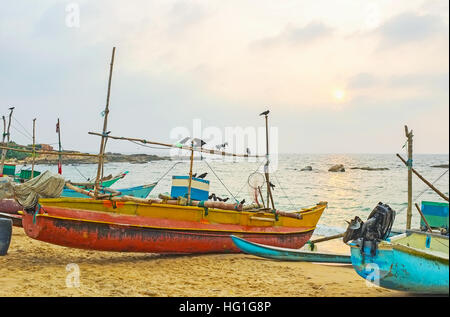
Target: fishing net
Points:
(46, 185)
(256, 182)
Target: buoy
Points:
(5, 235)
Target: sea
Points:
(354, 192)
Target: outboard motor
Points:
(376, 228)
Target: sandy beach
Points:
(33, 268)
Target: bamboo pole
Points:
(266, 167)
(189, 148)
(190, 173)
(58, 130)
(409, 135)
(7, 139)
(336, 236)
(34, 148)
(423, 217)
(105, 127)
(437, 191)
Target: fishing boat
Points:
(285, 254)
(186, 223)
(414, 261)
(162, 227)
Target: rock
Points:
(307, 168)
(370, 168)
(337, 168)
(441, 166)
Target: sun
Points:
(339, 94)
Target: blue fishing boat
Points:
(139, 191)
(414, 262)
(284, 254)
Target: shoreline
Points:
(34, 268)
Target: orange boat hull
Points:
(105, 231)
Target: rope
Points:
(168, 171)
(221, 181)
(247, 181)
(24, 129)
(425, 190)
(282, 189)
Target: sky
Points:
(338, 76)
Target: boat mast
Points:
(266, 166)
(58, 130)
(34, 148)
(6, 135)
(190, 173)
(409, 136)
(101, 157)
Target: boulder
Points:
(337, 168)
(370, 168)
(307, 168)
(441, 166)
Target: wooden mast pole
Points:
(409, 135)
(266, 167)
(101, 157)
(190, 173)
(3, 141)
(7, 140)
(34, 148)
(58, 130)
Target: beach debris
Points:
(337, 168)
(307, 168)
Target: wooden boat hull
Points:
(406, 263)
(9, 208)
(176, 232)
(138, 191)
(284, 254)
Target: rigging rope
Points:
(282, 189)
(237, 201)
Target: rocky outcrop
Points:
(441, 166)
(307, 168)
(370, 168)
(337, 168)
(109, 158)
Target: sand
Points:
(34, 268)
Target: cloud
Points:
(292, 35)
(410, 27)
(361, 81)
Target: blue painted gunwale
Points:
(404, 268)
(284, 254)
(138, 191)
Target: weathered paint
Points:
(108, 231)
(138, 191)
(405, 263)
(9, 208)
(284, 254)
